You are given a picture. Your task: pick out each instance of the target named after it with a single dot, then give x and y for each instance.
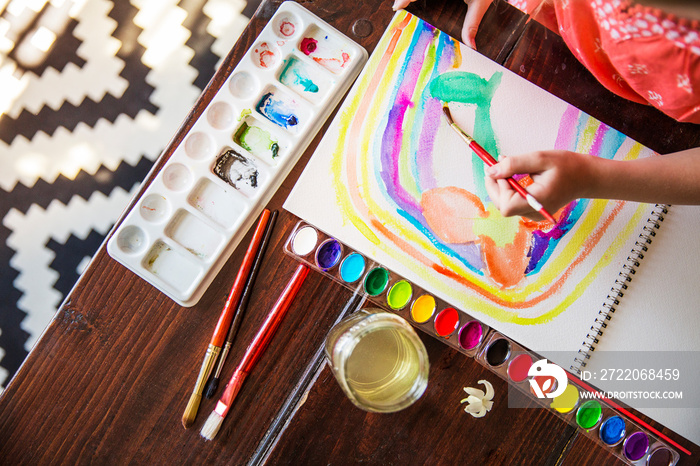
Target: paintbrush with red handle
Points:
(253, 353)
(490, 161)
(222, 327)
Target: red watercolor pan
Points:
(519, 367)
(446, 322)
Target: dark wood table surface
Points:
(109, 379)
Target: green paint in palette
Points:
(589, 414)
(256, 140)
(399, 294)
(376, 281)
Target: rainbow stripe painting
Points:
(392, 180)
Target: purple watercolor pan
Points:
(329, 254)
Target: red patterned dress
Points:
(638, 52)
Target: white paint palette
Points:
(211, 190)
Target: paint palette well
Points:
(217, 181)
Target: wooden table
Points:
(110, 378)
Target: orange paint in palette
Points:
(504, 357)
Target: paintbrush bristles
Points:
(191, 410)
(448, 115)
(212, 426)
(211, 388)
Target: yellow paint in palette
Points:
(423, 308)
(567, 401)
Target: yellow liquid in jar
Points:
(383, 368)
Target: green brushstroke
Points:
(472, 89)
(256, 140)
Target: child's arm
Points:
(561, 176)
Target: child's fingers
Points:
(475, 13)
(533, 162)
(399, 4)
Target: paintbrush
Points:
(253, 353)
(490, 161)
(224, 322)
(238, 317)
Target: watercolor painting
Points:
(392, 180)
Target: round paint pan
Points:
(352, 267)
(567, 401)
(446, 322)
(660, 456)
(612, 430)
(519, 367)
(328, 254)
(423, 308)
(636, 446)
(470, 335)
(376, 281)
(589, 414)
(304, 241)
(399, 295)
(498, 352)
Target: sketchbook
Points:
(391, 179)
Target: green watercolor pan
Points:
(223, 171)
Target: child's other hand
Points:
(558, 177)
(475, 13)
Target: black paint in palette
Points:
(236, 169)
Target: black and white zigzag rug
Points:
(91, 91)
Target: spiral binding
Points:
(617, 291)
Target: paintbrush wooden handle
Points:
(226, 317)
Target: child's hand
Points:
(559, 178)
(475, 12)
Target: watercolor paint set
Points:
(609, 426)
(383, 287)
(200, 205)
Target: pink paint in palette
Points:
(189, 220)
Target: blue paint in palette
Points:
(328, 254)
(352, 268)
(612, 430)
(277, 110)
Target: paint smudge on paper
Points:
(257, 141)
(237, 170)
(278, 109)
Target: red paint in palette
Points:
(308, 45)
(446, 322)
(519, 367)
(287, 29)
